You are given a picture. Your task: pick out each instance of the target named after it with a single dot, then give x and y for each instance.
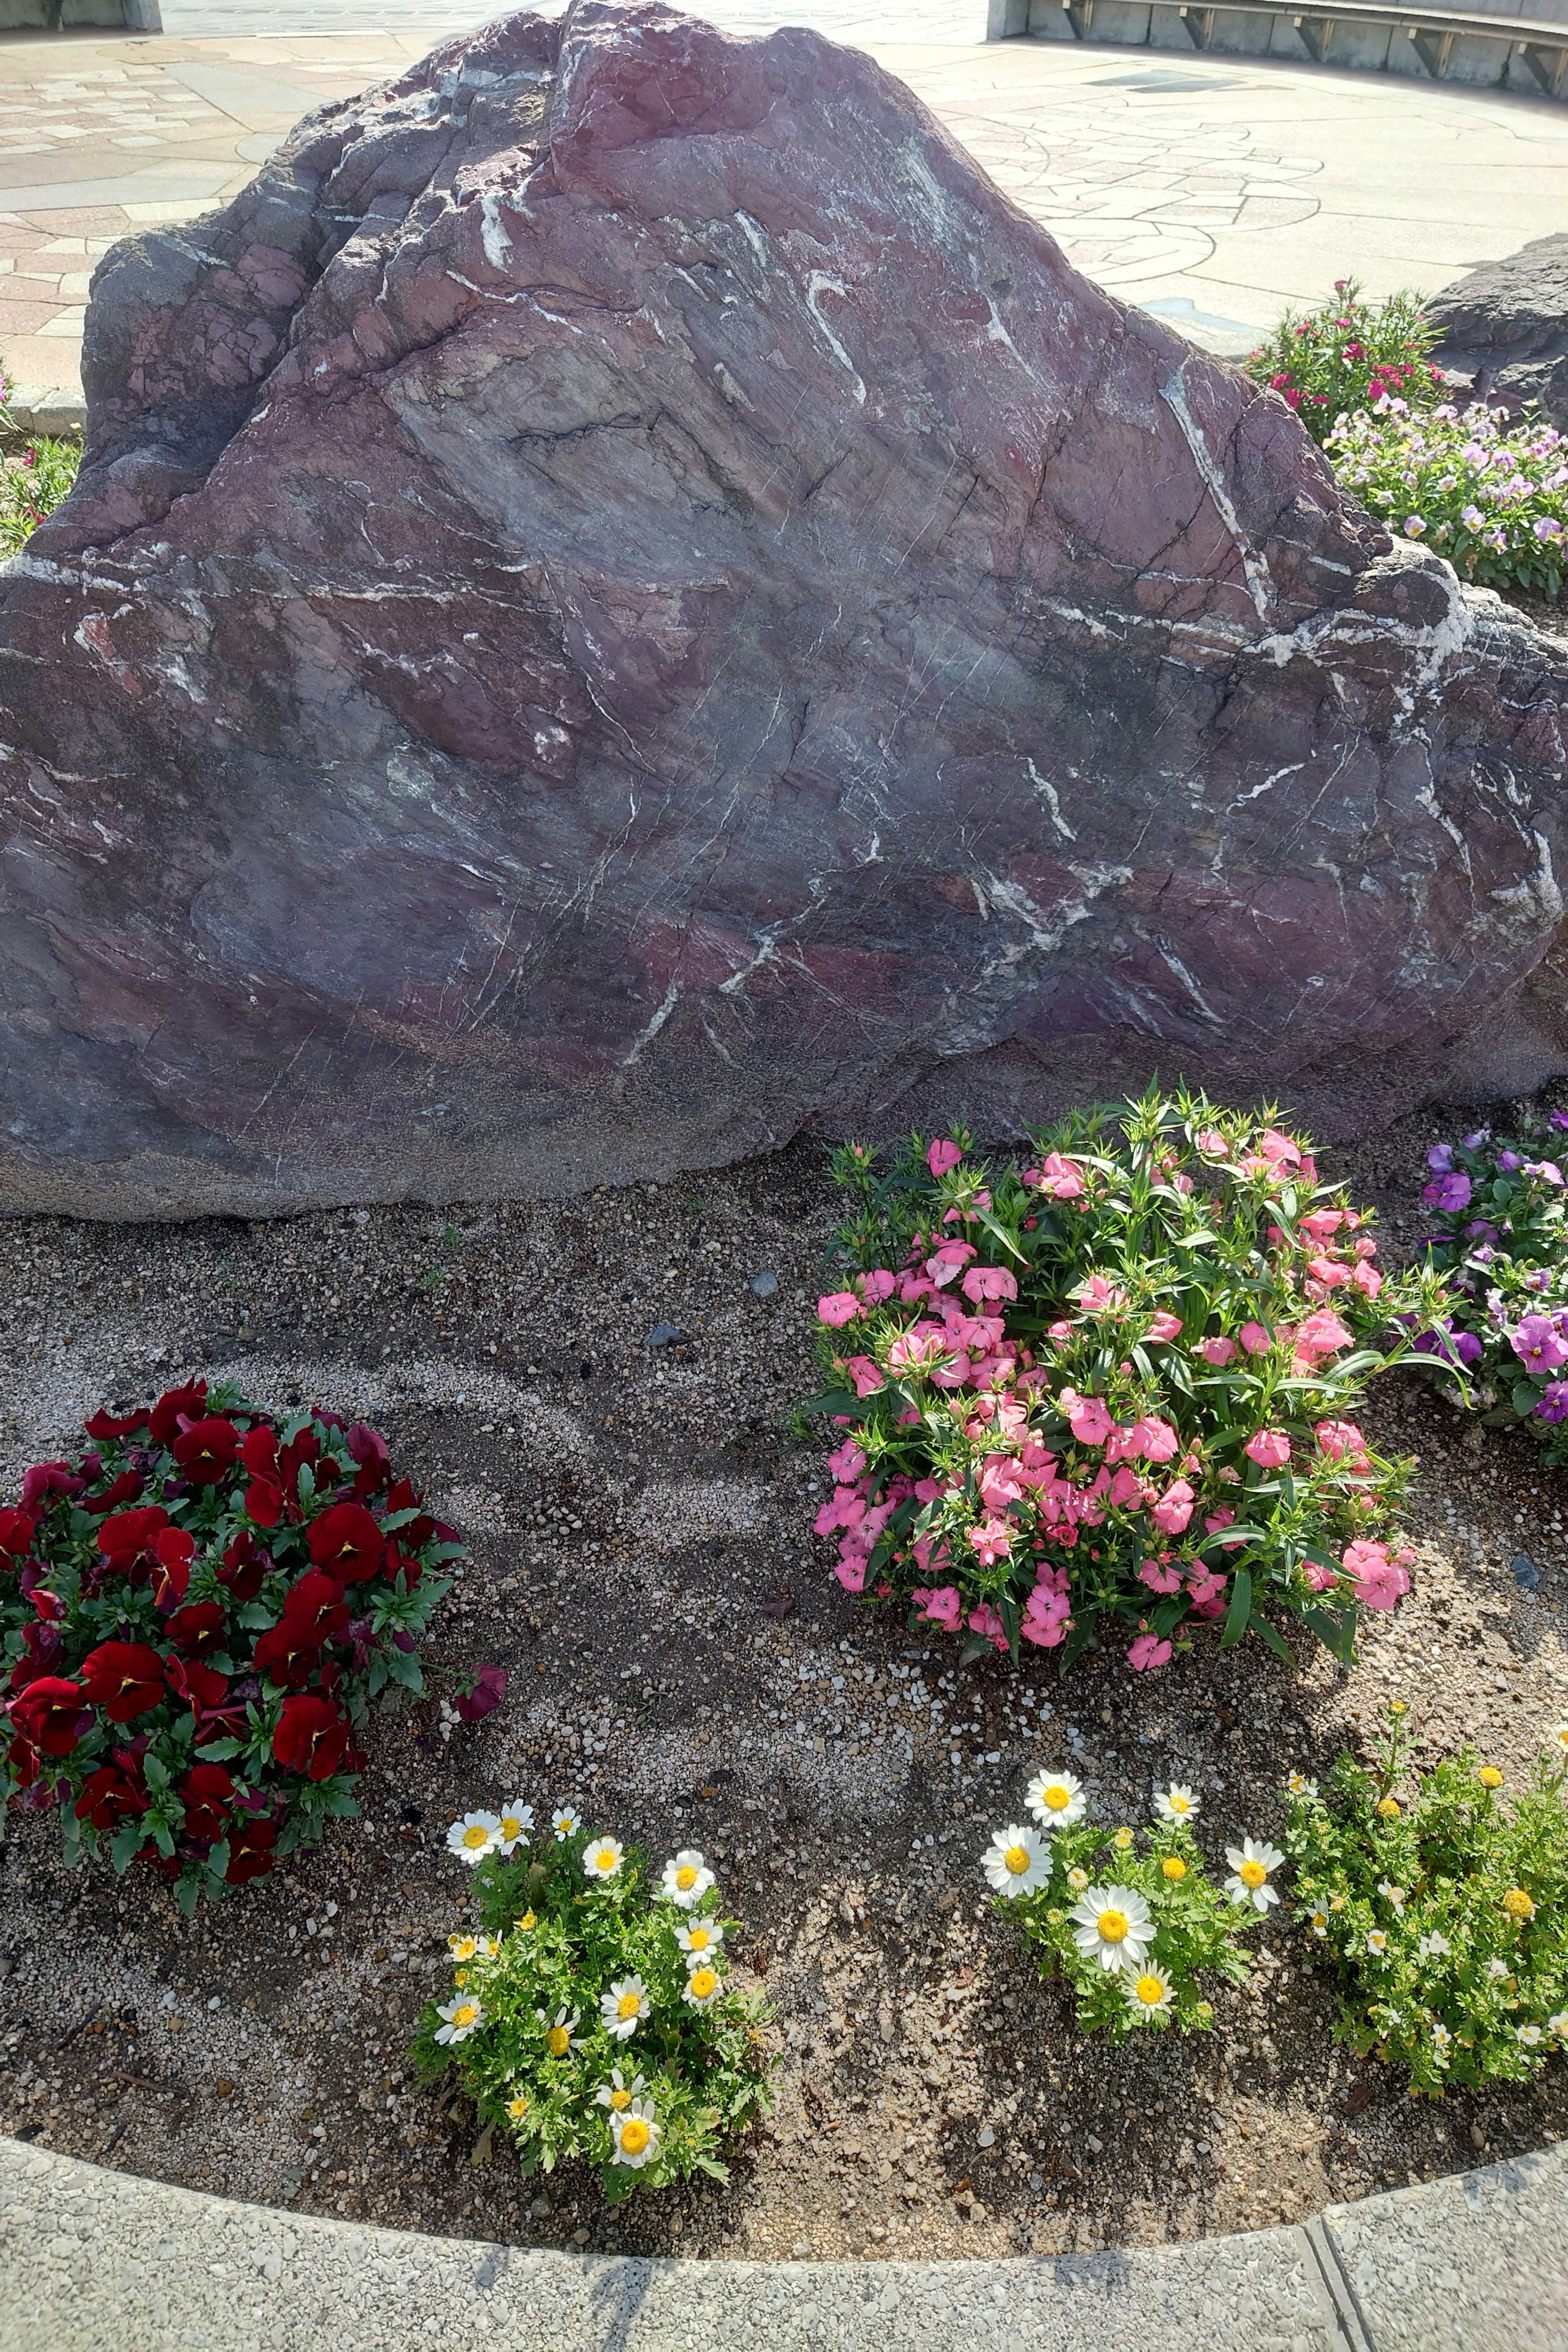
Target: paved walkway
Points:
(1214, 191)
(93, 2261)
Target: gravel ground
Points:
(683, 1663)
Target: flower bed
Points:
(596, 2017)
(1111, 1392)
(1492, 497)
(1130, 1932)
(34, 477)
(1443, 1908)
(197, 1610)
(1501, 1210)
(1346, 355)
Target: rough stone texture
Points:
(1504, 328)
(101, 2262)
(624, 603)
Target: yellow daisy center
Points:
(630, 2005)
(1180, 1805)
(460, 1976)
(1017, 1860)
(528, 1920)
(1150, 1991)
(1518, 1903)
(698, 1940)
(463, 1948)
(518, 2108)
(1055, 1797)
(620, 2101)
(1112, 1924)
(1388, 1809)
(465, 2014)
(605, 1860)
(1174, 1867)
(703, 1981)
(1252, 1873)
(560, 2041)
(476, 1837)
(686, 1878)
(510, 1827)
(635, 2136)
(1491, 1777)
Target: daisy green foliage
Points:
(596, 2016)
(1111, 1393)
(1499, 1210)
(1491, 496)
(1131, 1929)
(1346, 355)
(1442, 1906)
(35, 472)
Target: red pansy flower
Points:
(400, 1563)
(207, 1451)
(44, 1481)
(250, 1853)
(173, 1551)
(174, 1406)
(244, 1565)
(488, 1690)
(198, 1629)
(258, 1452)
(125, 1489)
(124, 1678)
(203, 1688)
(347, 1540)
(106, 1424)
(127, 1540)
(316, 1605)
(17, 1531)
(24, 1760)
(286, 1654)
(113, 1794)
(310, 1737)
(368, 1448)
(205, 1792)
(51, 1713)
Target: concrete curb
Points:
(53, 411)
(93, 2261)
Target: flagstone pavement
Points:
(1213, 191)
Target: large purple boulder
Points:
(623, 602)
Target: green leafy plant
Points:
(596, 2016)
(1491, 496)
(1111, 1392)
(1130, 1930)
(1442, 1907)
(1501, 1207)
(35, 472)
(1346, 355)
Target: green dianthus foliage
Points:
(1443, 1906)
(541, 2051)
(1197, 1928)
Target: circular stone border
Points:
(96, 2261)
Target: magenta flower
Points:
(1147, 1652)
(1554, 1405)
(1538, 1345)
(1449, 1193)
(842, 1306)
(1270, 1448)
(942, 1157)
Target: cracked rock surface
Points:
(624, 603)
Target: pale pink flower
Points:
(850, 1462)
(866, 1375)
(1045, 1616)
(947, 1260)
(1148, 1651)
(842, 1306)
(939, 1604)
(1207, 1594)
(1165, 1326)
(1328, 1272)
(1367, 1280)
(1270, 1448)
(1062, 1178)
(1321, 1578)
(1100, 1297)
(983, 1282)
(943, 1156)
(985, 1622)
(917, 1350)
(1086, 1417)
(1212, 1144)
(1058, 1331)
(1216, 1520)
(1322, 1223)
(877, 1287)
(1254, 1339)
(1321, 1334)
(1172, 1511)
(1381, 1582)
(1277, 1148)
(1158, 1578)
(851, 1571)
(1158, 1441)
(1216, 1351)
(1338, 1438)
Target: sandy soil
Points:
(683, 1663)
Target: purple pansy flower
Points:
(1440, 1159)
(1538, 1345)
(1554, 1405)
(1547, 1169)
(1449, 1193)
(1510, 1160)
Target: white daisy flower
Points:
(1558, 1736)
(474, 1836)
(602, 1858)
(1300, 1786)
(462, 1948)
(1433, 1947)
(699, 1940)
(463, 2016)
(566, 1821)
(1377, 1943)
(1149, 1993)
(1176, 1805)
(1250, 1863)
(1077, 1879)
(1392, 1893)
(1113, 1927)
(635, 2135)
(617, 2092)
(516, 1821)
(1017, 1861)
(703, 1985)
(687, 1878)
(1056, 1800)
(516, 2108)
(560, 2031)
(1319, 1921)
(1496, 1968)
(1528, 2034)
(1559, 2025)
(624, 2007)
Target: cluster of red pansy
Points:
(196, 1610)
